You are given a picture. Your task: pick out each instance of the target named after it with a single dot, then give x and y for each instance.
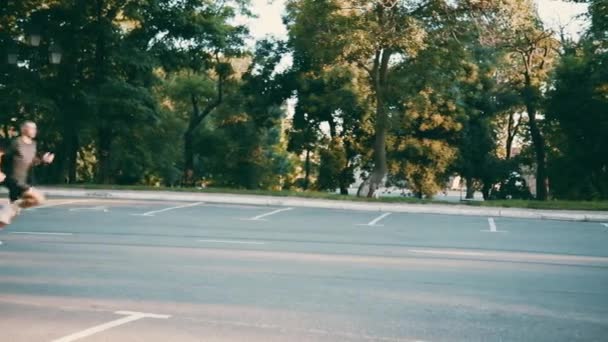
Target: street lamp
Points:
(33, 36)
(12, 56)
(55, 53)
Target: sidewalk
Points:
(463, 210)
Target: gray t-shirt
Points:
(19, 159)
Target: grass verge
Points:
(553, 204)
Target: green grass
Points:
(283, 193)
(554, 204)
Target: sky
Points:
(555, 13)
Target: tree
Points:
(199, 38)
(365, 35)
(536, 50)
(515, 27)
(482, 101)
(328, 95)
(576, 110)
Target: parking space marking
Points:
(260, 217)
(151, 213)
(375, 221)
(130, 317)
(238, 242)
(492, 224)
(98, 208)
(51, 205)
(41, 233)
(493, 228)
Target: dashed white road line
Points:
(238, 242)
(375, 221)
(51, 205)
(260, 217)
(41, 233)
(130, 317)
(455, 253)
(151, 213)
(605, 225)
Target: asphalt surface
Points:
(109, 270)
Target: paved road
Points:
(89, 270)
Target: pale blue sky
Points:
(555, 13)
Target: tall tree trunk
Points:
(470, 188)
(541, 168)
(73, 158)
(332, 128)
(343, 189)
(346, 175)
(380, 167)
(381, 125)
(344, 180)
(510, 136)
(512, 131)
(196, 119)
(103, 133)
(485, 191)
(68, 157)
(70, 154)
(307, 169)
(103, 155)
(188, 174)
(538, 141)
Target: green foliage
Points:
(577, 110)
(166, 92)
(333, 161)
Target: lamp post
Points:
(55, 53)
(12, 57)
(33, 36)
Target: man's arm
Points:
(5, 153)
(46, 158)
(2, 175)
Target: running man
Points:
(16, 165)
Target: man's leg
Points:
(12, 209)
(31, 198)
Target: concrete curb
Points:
(462, 210)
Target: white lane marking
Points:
(260, 217)
(50, 205)
(42, 233)
(130, 317)
(151, 213)
(492, 224)
(240, 242)
(456, 253)
(605, 225)
(98, 208)
(493, 228)
(375, 221)
(1, 243)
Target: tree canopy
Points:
(360, 93)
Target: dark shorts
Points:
(15, 189)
